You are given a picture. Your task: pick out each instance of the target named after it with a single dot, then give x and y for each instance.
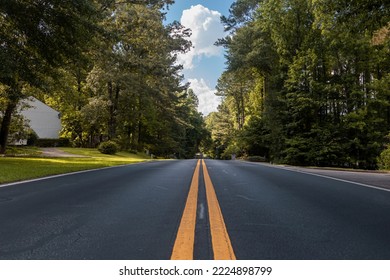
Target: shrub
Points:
(109, 148)
(256, 159)
(43, 142)
(384, 159)
(32, 138)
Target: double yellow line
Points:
(183, 248)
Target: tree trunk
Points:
(115, 113)
(5, 125)
(139, 138)
(113, 109)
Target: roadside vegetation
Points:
(109, 67)
(307, 83)
(384, 159)
(19, 151)
(22, 167)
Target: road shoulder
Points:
(368, 178)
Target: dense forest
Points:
(307, 82)
(109, 67)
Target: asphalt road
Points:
(136, 211)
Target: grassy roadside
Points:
(22, 168)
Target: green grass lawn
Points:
(20, 151)
(21, 168)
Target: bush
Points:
(32, 138)
(109, 148)
(256, 159)
(384, 159)
(43, 142)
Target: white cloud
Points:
(206, 29)
(208, 101)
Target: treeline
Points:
(108, 66)
(307, 82)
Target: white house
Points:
(44, 120)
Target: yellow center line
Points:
(222, 246)
(183, 248)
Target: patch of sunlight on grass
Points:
(96, 154)
(23, 168)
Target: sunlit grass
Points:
(22, 168)
(120, 156)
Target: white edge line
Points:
(323, 176)
(65, 174)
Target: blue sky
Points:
(204, 64)
(175, 11)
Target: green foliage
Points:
(19, 128)
(256, 159)
(42, 142)
(221, 129)
(320, 95)
(234, 148)
(32, 138)
(384, 159)
(109, 67)
(37, 38)
(255, 138)
(108, 148)
(94, 118)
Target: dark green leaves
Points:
(324, 69)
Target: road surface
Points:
(189, 209)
